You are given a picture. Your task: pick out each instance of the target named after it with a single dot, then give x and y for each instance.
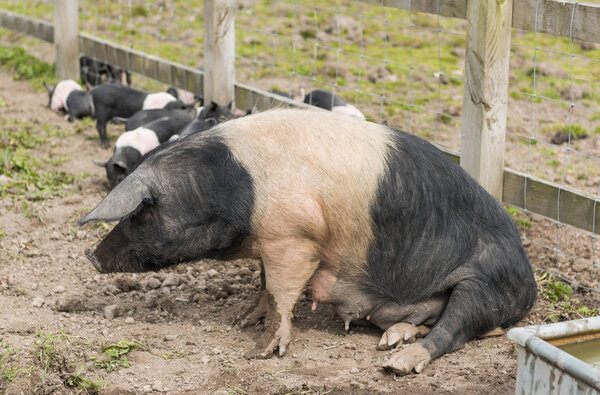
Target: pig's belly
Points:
(321, 286)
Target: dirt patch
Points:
(178, 320)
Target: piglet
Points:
(133, 145)
(332, 102)
(68, 96)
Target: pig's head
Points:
(169, 214)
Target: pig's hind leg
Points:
(251, 314)
(289, 264)
(102, 117)
(406, 323)
(471, 310)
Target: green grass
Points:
(563, 305)
(21, 160)
(115, 355)
(519, 217)
(26, 66)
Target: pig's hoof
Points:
(251, 314)
(400, 333)
(413, 356)
(269, 342)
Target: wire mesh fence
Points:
(405, 68)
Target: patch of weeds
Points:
(25, 66)
(116, 355)
(2, 102)
(31, 211)
(519, 217)
(553, 162)
(2, 233)
(46, 354)
(340, 333)
(577, 131)
(563, 306)
(139, 10)
(23, 166)
(89, 386)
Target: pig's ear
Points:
(121, 201)
(99, 163)
(121, 164)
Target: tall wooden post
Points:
(219, 51)
(486, 91)
(66, 40)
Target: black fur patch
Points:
(202, 207)
(436, 230)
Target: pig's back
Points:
(314, 172)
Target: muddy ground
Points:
(58, 315)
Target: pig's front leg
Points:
(288, 264)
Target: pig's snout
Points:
(89, 253)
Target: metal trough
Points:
(543, 368)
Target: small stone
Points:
(153, 283)
(126, 284)
(129, 320)
(37, 302)
(169, 338)
(579, 267)
(205, 359)
(212, 273)
(55, 235)
(354, 370)
(111, 311)
(34, 286)
(60, 289)
(4, 180)
(165, 291)
(112, 289)
(216, 351)
(171, 280)
(80, 234)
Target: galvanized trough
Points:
(543, 368)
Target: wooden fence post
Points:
(66, 40)
(219, 51)
(485, 98)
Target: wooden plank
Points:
(541, 197)
(22, 24)
(450, 8)
(485, 99)
(219, 50)
(247, 97)
(554, 17)
(66, 42)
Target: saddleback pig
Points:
(69, 97)
(332, 102)
(377, 222)
(132, 145)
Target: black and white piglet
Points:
(332, 102)
(186, 97)
(116, 100)
(69, 97)
(143, 117)
(95, 72)
(131, 146)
